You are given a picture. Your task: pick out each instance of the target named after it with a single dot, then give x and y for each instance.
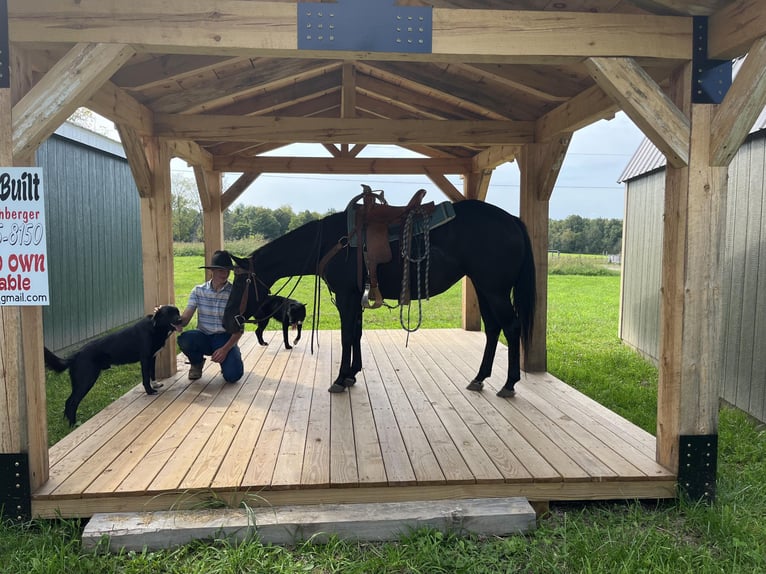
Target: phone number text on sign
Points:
(22, 234)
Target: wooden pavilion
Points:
(469, 84)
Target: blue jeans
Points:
(196, 344)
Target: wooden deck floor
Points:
(408, 430)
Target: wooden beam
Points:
(348, 91)
(209, 188)
(547, 160)
(135, 150)
(120, 107)
(349, 165)
(320, 130)
(192, 153)
(66, 86)
(582, 110)
(646, 104)
(476, 184)
(445, 185)
(733, 29)
(494, 156)
(237, 188)
(741, 106)
(270, 28)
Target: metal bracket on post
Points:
(697, 466)
(711, 79)
(15, 492)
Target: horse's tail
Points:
(525, 290)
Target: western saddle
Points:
(372, 219)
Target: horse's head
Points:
(246, 294)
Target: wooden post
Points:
(475, 185)
(157, 244)
(539, 165)
(690, 312)
(24, 427)
(209, 186)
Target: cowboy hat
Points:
(220, 260)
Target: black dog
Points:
(138, 342)
(290, 312)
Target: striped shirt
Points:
(210, 305)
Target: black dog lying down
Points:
(138, 342)
(290, 312)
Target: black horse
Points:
(489, 245)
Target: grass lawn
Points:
(621, 537)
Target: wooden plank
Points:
(218, 446)
(637, 438)
(144, 531)
(370, 461)
(289, 465)
(408, 446)
(316, 460)
(232, 468)
(81, 445)
(99, 460)
(481, 465)
(536, 429)
(434, 357)
(184, 436)
(343, 469)
(265, 452)
(128, 464)
(502, 457)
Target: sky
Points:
(587, 184)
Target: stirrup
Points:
(378, 299)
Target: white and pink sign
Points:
(23, 248)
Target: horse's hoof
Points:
(336, 388)
(475, 385)
(505, 393)
(349, 381)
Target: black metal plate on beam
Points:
(364, 25)
(5, 55)
(697, 466)
(711, 79)
(15, 493)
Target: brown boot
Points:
(195, 370)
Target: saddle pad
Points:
(443, 212)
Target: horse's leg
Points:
(350, 332)
(492, 333)
(497, 312)
(512, 333)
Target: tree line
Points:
(574, 234)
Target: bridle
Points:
(240, 319)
